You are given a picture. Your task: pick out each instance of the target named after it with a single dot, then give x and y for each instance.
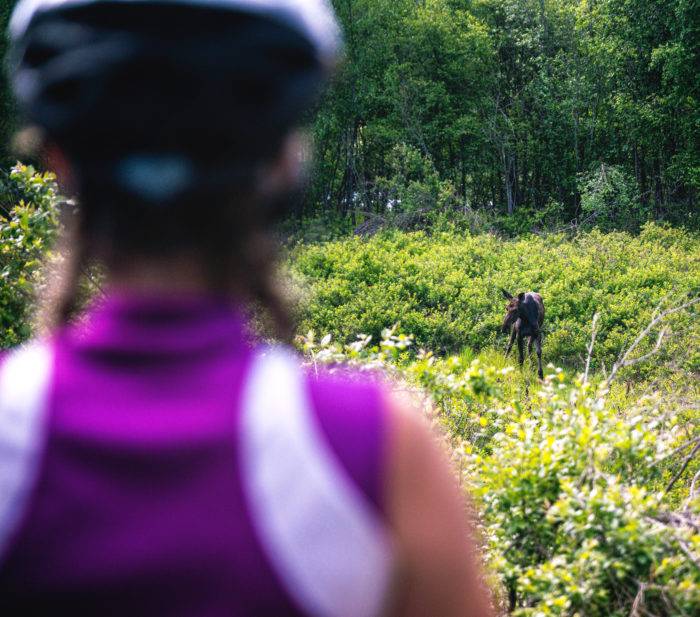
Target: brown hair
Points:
(229, 232)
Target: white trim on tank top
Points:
(25, 378)
(325, 541)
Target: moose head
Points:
(512, 309)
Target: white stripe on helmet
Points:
(314, 19)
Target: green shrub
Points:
(570, 516)
(568, 477)
(585, 503)
(28, 224)
(414, 184)
(444, 288)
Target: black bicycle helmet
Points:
(156, 96)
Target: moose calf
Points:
(525, 314)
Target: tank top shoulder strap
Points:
(25, 376)
(325, 541)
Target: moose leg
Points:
(521, 349)
(529, 346)
(538, 348)
(511, 341)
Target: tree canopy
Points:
(520, 105)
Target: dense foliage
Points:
(514, 108)
(445, 288)
(582, 489)
(514, 104)
(587, 485)
(28, 224)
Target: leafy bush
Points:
(28, 224)
(444, 288)
(584, 497)
(569, 479)
(586, 504)
(570, 517)
(524, 220)
(414, 184)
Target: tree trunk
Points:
(509, 179)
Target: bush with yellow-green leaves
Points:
(444, 288)
(575, 514)
(28, 225)
(582, 508)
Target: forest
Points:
(537, 113)
(467, 147)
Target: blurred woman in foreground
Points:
(154, 460)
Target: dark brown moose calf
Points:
(525, 315)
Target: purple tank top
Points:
(142, 502)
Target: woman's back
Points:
(142, 502)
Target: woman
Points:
(154, 460)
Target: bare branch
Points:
(688, 553)
(638, 600)
(646, 356)
(594, 331)
(675, 451)
(686, 462)
(624, 359)
(693, 490)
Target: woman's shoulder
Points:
(351, 395)
(351, 410)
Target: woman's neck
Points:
(175, 275)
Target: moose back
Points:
(524, 317)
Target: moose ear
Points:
(521, 296)
(506, 294)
